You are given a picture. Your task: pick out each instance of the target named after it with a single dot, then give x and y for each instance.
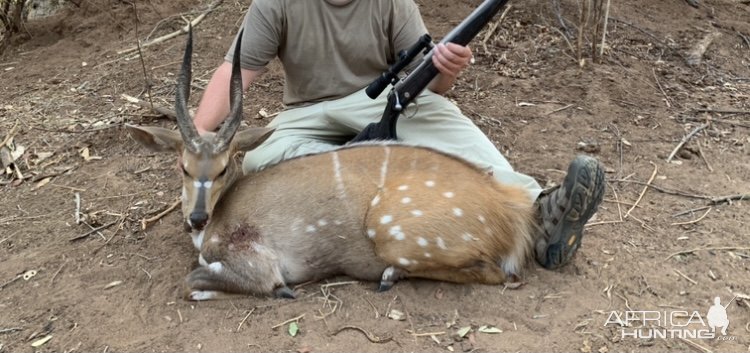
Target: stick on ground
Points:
(176, 33)
(169, 113)
(684, 140)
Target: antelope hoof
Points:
(390, 276)
(384, 286)
(284, 292)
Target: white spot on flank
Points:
(458, 212)
(406, 200)
(468, 237)
(397, 233)
(488, 230)
(215, 267)
(214, 239)
(337, 222)
(403, 187)
(375, 200)
(201, 260)
(429, 183)
(250, 263)
(371, 233)
(322, 222)
(310, 228)
(422, 242)
(386, 219)
(481, 219)
(403, 261)
(449, 194)
(417, 213)
(198, 239)
(428, 255)
(441, 243)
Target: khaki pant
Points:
(430, 121)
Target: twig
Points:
(695, 56)
(723, 248)
(744, 38)
(723, 111)
(84, 235)
(169, 113)
(653, 175)
(721, 121)
(176, 33)
(685, 276)
(729, 199)
(560, 109)
(695, 220)
(145, 222)
(703, 157)
(10, 134)
(604, 31)
(78, 208)
(377, 314)
(695, 345)
(493, 28)
(294, 319)
(426, 334)
(372, 338)
(690, 211)
(664, 190)
(245, 319)
(54, 275)
(666, 97)
(140, 56)
(9, 330)
(685, 139)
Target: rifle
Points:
(407, 89)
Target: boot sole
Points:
(584, 188)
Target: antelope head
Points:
(209, 162)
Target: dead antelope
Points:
(373, 211)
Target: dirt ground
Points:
(119, 289)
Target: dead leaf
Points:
(41, 183)
(439, 294)
(41, 341)
(113, 284)
(463, 331)
(396, 315)
(525, 104)
(262, 113)
(17, 153)
(87, 156)
(489, 329)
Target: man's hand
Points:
(451, 58)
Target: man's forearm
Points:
(441, 84)
(214, 105)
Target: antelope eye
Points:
(184, 171)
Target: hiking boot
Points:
(564, 211)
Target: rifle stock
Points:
(412, 85)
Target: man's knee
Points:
(275, 151)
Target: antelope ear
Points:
(156, 138)
(251, 138)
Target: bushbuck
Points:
(372, 211)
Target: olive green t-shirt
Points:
(327, 51)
